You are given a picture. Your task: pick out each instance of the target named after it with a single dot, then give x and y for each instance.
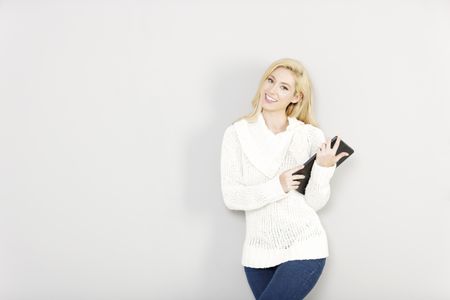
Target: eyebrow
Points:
(282, 82)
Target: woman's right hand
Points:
(291, 182)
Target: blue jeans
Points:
(290, 280)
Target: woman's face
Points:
(277, 90)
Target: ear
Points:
(297, 98)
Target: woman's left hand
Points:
(326, 156)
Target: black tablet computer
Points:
(306, 171)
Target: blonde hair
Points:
(302, 110)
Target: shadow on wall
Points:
(231, 94)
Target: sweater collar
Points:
(254, 152)
(292, 123)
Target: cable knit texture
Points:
(279, 226)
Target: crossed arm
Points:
(240, 196)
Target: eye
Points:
(270, 80)
(285, 88)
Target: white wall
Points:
(111, 120)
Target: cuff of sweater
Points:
(322, 174)
(275, 188)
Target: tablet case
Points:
(306, 171)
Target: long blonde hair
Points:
(302, 110)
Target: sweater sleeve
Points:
(317, 191)
(236, 194)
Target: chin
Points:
(268, 106)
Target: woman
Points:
(285, 245)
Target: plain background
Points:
(111, 121)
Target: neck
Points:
(275, 121)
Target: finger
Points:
(296, 185)
(341, 155)
(294, 181)
(336, 145)
(295, 177)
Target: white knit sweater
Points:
(279, 226)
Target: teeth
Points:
(270, 99)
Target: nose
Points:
(272, 89)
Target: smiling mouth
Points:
(269, 99)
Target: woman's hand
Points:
(289, 181)
(326, 156)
